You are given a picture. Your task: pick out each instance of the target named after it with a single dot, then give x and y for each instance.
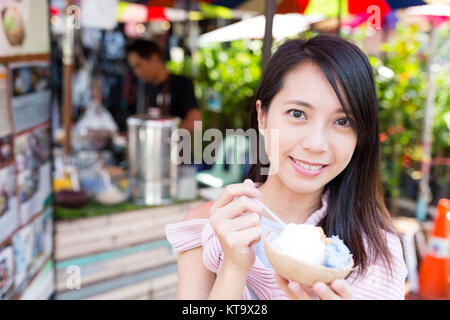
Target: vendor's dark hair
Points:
(356, 207)
(144, 48)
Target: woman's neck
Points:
(290, 206)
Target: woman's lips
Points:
(303, 168)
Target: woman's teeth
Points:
(307, 166)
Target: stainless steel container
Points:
(153, 175)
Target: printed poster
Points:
(6, 272)
(24, 27)
(32, 155)
(30, 94)
(32, 248)
(5, 121)
(8, 203)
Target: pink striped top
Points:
(376, 283)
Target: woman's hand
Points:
(237, 224)
(338, 290)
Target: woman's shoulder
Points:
(187, 234)
(202, 211)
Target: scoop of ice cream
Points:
(337, 255)
(303, 242)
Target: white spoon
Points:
(270, 212)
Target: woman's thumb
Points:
(249, 182)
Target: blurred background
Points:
(86, 181)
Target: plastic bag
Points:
(95, 128)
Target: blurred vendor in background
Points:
(168, 94)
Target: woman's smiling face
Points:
(312, 128)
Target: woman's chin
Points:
(301, 186)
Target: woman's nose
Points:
(315, 139)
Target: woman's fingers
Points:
(299, 291)
(248, 236)
(337, 290)
(283, 284)
(325, 292)
(245, 221)
(235, 190)
(293, 290)
(238, 207)
(235, 225)
(249, 182)
(342, 288)
(241, 205)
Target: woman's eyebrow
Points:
(308, 105)
(300, 103)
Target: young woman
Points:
(319, 96)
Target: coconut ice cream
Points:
(337, 255)
(304, 254)
(303, 242)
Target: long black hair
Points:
(356, 208)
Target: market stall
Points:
(116, 185)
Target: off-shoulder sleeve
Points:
(378, 283)
(185, 235)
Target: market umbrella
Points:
(328, 8)
(284, 25)
(436, 13)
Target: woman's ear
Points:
(261, 116)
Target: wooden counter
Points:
(119, 256)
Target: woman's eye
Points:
(343, 122)
(295, 113)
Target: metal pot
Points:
(153, 176)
